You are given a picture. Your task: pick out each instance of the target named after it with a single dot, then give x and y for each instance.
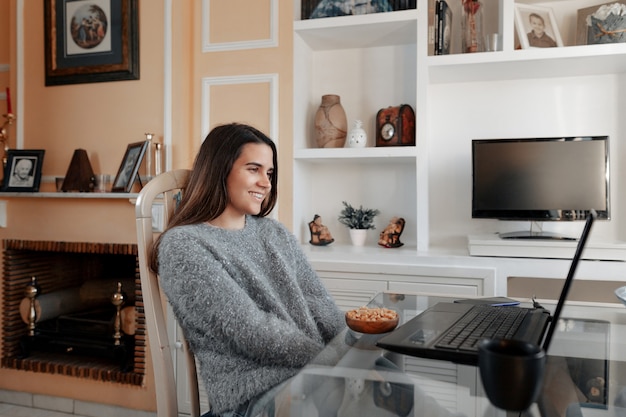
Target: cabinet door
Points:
(352, 293)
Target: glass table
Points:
(585, 372)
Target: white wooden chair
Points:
(161, 344)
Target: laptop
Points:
(428, 334)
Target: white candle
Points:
(157, 159)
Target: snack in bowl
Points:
(372, 320)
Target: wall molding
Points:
(205, 106)
(208, 46)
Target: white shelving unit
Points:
(370, 61)
(377, 60)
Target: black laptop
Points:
(451, 331)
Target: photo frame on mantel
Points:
(89, 41)
(128, 171)
(23, 170)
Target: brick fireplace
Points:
(82, 269)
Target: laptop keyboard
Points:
(483, 322)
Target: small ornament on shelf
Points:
(358, 221)
(390, 237)
(607, 24)
(331, 124)
(320, 235)
(472, 26)
(149, 174)
(357, 138)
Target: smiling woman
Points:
(252, 308)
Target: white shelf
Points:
(363, 31)
(525, 64)
(382, 155)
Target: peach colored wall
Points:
(103, 118)
(5, 50)
(252, 62)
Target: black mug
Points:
(512, 372)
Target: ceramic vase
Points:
(472, 38)
(357, 236)
(357, 138)
(331, 124)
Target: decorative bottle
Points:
(472, 39)
(331, 123)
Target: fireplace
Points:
(85, 304)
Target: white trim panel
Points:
(271, 42)
(205, 105)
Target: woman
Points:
(251, 306)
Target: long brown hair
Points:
(206, 196)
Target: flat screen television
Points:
(540, 179)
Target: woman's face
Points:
(249, 181)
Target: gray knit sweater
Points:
(251, 306)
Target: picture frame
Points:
(582, 30)
(523, 14)
(22, 172)
(127, 173)
(333, 8)
(88, 41)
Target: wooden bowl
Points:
(372, 320)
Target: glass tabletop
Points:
(585, 372)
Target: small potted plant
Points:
(358, 221)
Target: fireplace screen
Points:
(73, 308)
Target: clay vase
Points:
(331, 123)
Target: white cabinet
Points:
(378, 60)
(354, 285)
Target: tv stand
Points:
(493, 245)
(534, 235)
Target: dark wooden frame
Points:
(127, 174)
(115, 59)
(13, 157)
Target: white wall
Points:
(573, 106)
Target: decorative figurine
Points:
(390, 237)
(357, 138)
(320, 235)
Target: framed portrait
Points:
(127, 174)
(23, 170)
(536, 27)
(88, 41)
(610, 30)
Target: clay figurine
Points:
(390, 237)
(320, 235)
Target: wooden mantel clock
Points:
(395, 126)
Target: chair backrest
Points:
(165, 188)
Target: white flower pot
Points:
(358, 236)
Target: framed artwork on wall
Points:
(23, 170)
(536, 26)
(603, 23)
(313, 9)
(88, 41)
(127, 174)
